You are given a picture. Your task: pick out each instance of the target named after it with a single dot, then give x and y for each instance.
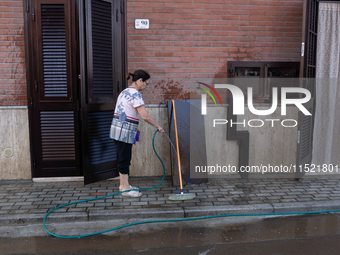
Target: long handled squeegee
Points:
(181, 196)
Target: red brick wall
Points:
(196, 38)
(187, 39)
(13, 90)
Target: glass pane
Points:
(247, 71)
(281, 72)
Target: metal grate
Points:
(101, 147)
(305, 136)
(54, 50)
(57, 135)
(312, 39)
(306, 121)
(102, 49)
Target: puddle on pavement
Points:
(181, 235)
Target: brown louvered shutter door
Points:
(53, 89)
(307, 73)
(102, 58)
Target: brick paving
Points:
(39, 198)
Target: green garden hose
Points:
(155, 221)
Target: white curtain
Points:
(326, 136)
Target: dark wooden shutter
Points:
(54, 51)
(103, 66)
(52, 88)
(307, 73)
(100, 51)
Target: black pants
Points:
(123, 156)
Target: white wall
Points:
(268, 145)
(14, 135)
(144, 160)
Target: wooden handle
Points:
(177, 146)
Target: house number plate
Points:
(142, 24)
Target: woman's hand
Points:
(160, 129)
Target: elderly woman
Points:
(129, 108)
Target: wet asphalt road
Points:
(313, 234)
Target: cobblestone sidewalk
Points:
(20, 199)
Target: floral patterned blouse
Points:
(126, 117)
